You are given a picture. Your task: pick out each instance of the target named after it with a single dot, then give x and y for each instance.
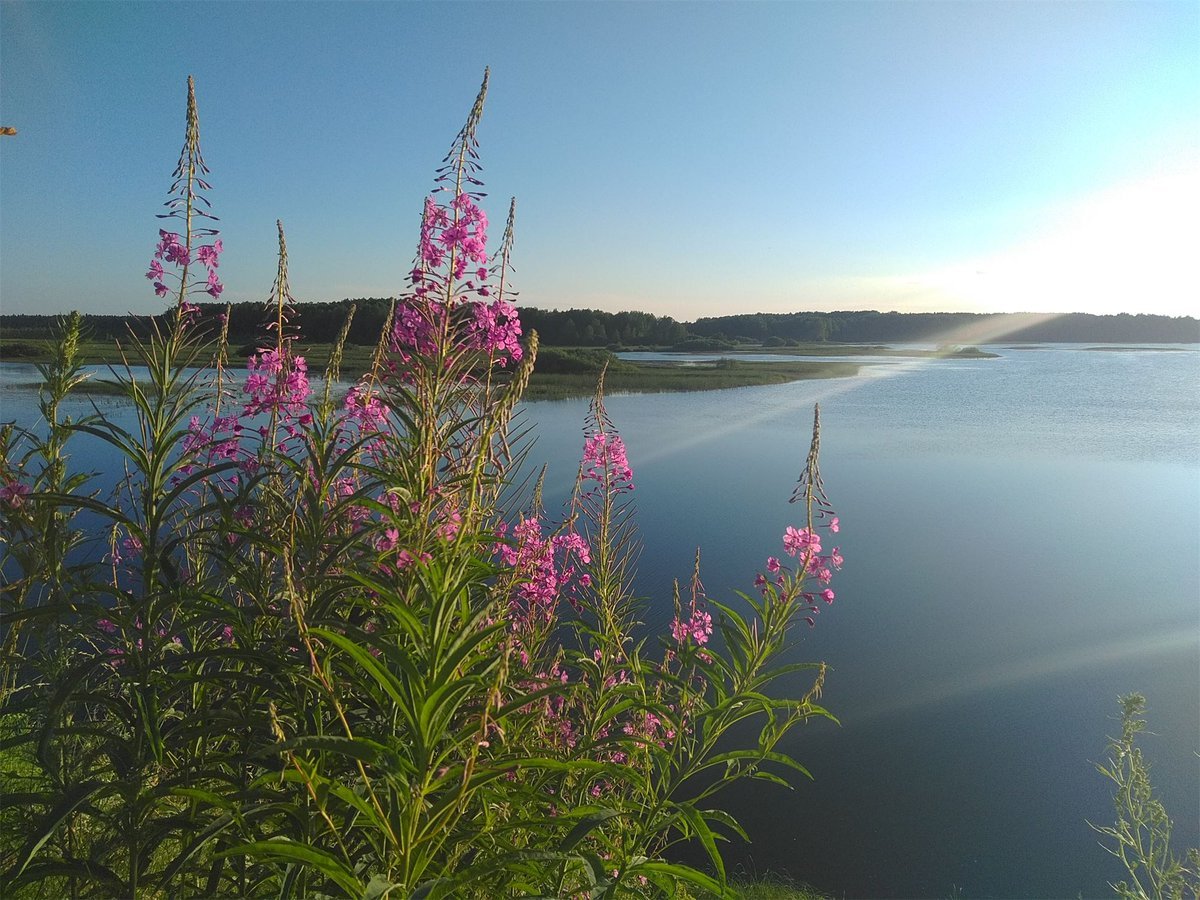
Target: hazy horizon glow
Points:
(682, 159)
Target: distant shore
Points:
(572, 372)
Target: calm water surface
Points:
(1022, 538)
(1022, 542)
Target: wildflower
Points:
(209, 255)
(13, 494)
(801, 540)
(389, 540)
(606, 462)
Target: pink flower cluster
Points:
(696, 629)
(363, 405)
(606, 463)
(804, 545)
(545, 568)
(220, 437)
(278, 382)
(459, 232)
(495, 330)
(416, 327)
(454, 237)
(170, 249)
(12, 493)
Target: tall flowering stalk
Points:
(192, 245)
(277, 380)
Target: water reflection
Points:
(1022, 539)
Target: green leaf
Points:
(379, 887)
(700, 829)
(287, 849)
(585, 826)
(756, 756)
(666, 875)
(74, 797)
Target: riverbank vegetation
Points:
(305, 645)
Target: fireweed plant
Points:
(336, 647)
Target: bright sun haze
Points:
(681, 159)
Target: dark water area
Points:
(1022, 543)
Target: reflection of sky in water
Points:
(1022, 539)
(1023, 544)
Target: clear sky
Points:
(686, 159)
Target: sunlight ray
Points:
(1144, 646)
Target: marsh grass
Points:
(650, 378)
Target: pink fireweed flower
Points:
(448, 530)
(190, 208)
(214, 285)
(364, 406)
(697, 629)
(773, 565)
(416, 327)
(209, 254)
(390, 538)
(273, 385)
(801, 540)
(605, 461)
(545, 569)
(13, 494)
(495, 329)
(834, 525)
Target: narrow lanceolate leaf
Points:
(71, 800)
(666, 876)
(699, 828)
(755, 756)
(287, 850)
(586, 826)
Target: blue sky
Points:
(687, 159)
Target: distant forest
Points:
(320, 323)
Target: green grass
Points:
(650, 378)
(768, 887)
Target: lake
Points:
(1022, 543)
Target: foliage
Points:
(320, 322)
(1141, 836)
(330, 647)
(592, 362)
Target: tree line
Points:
(321, 321)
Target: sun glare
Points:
(1127, 249)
